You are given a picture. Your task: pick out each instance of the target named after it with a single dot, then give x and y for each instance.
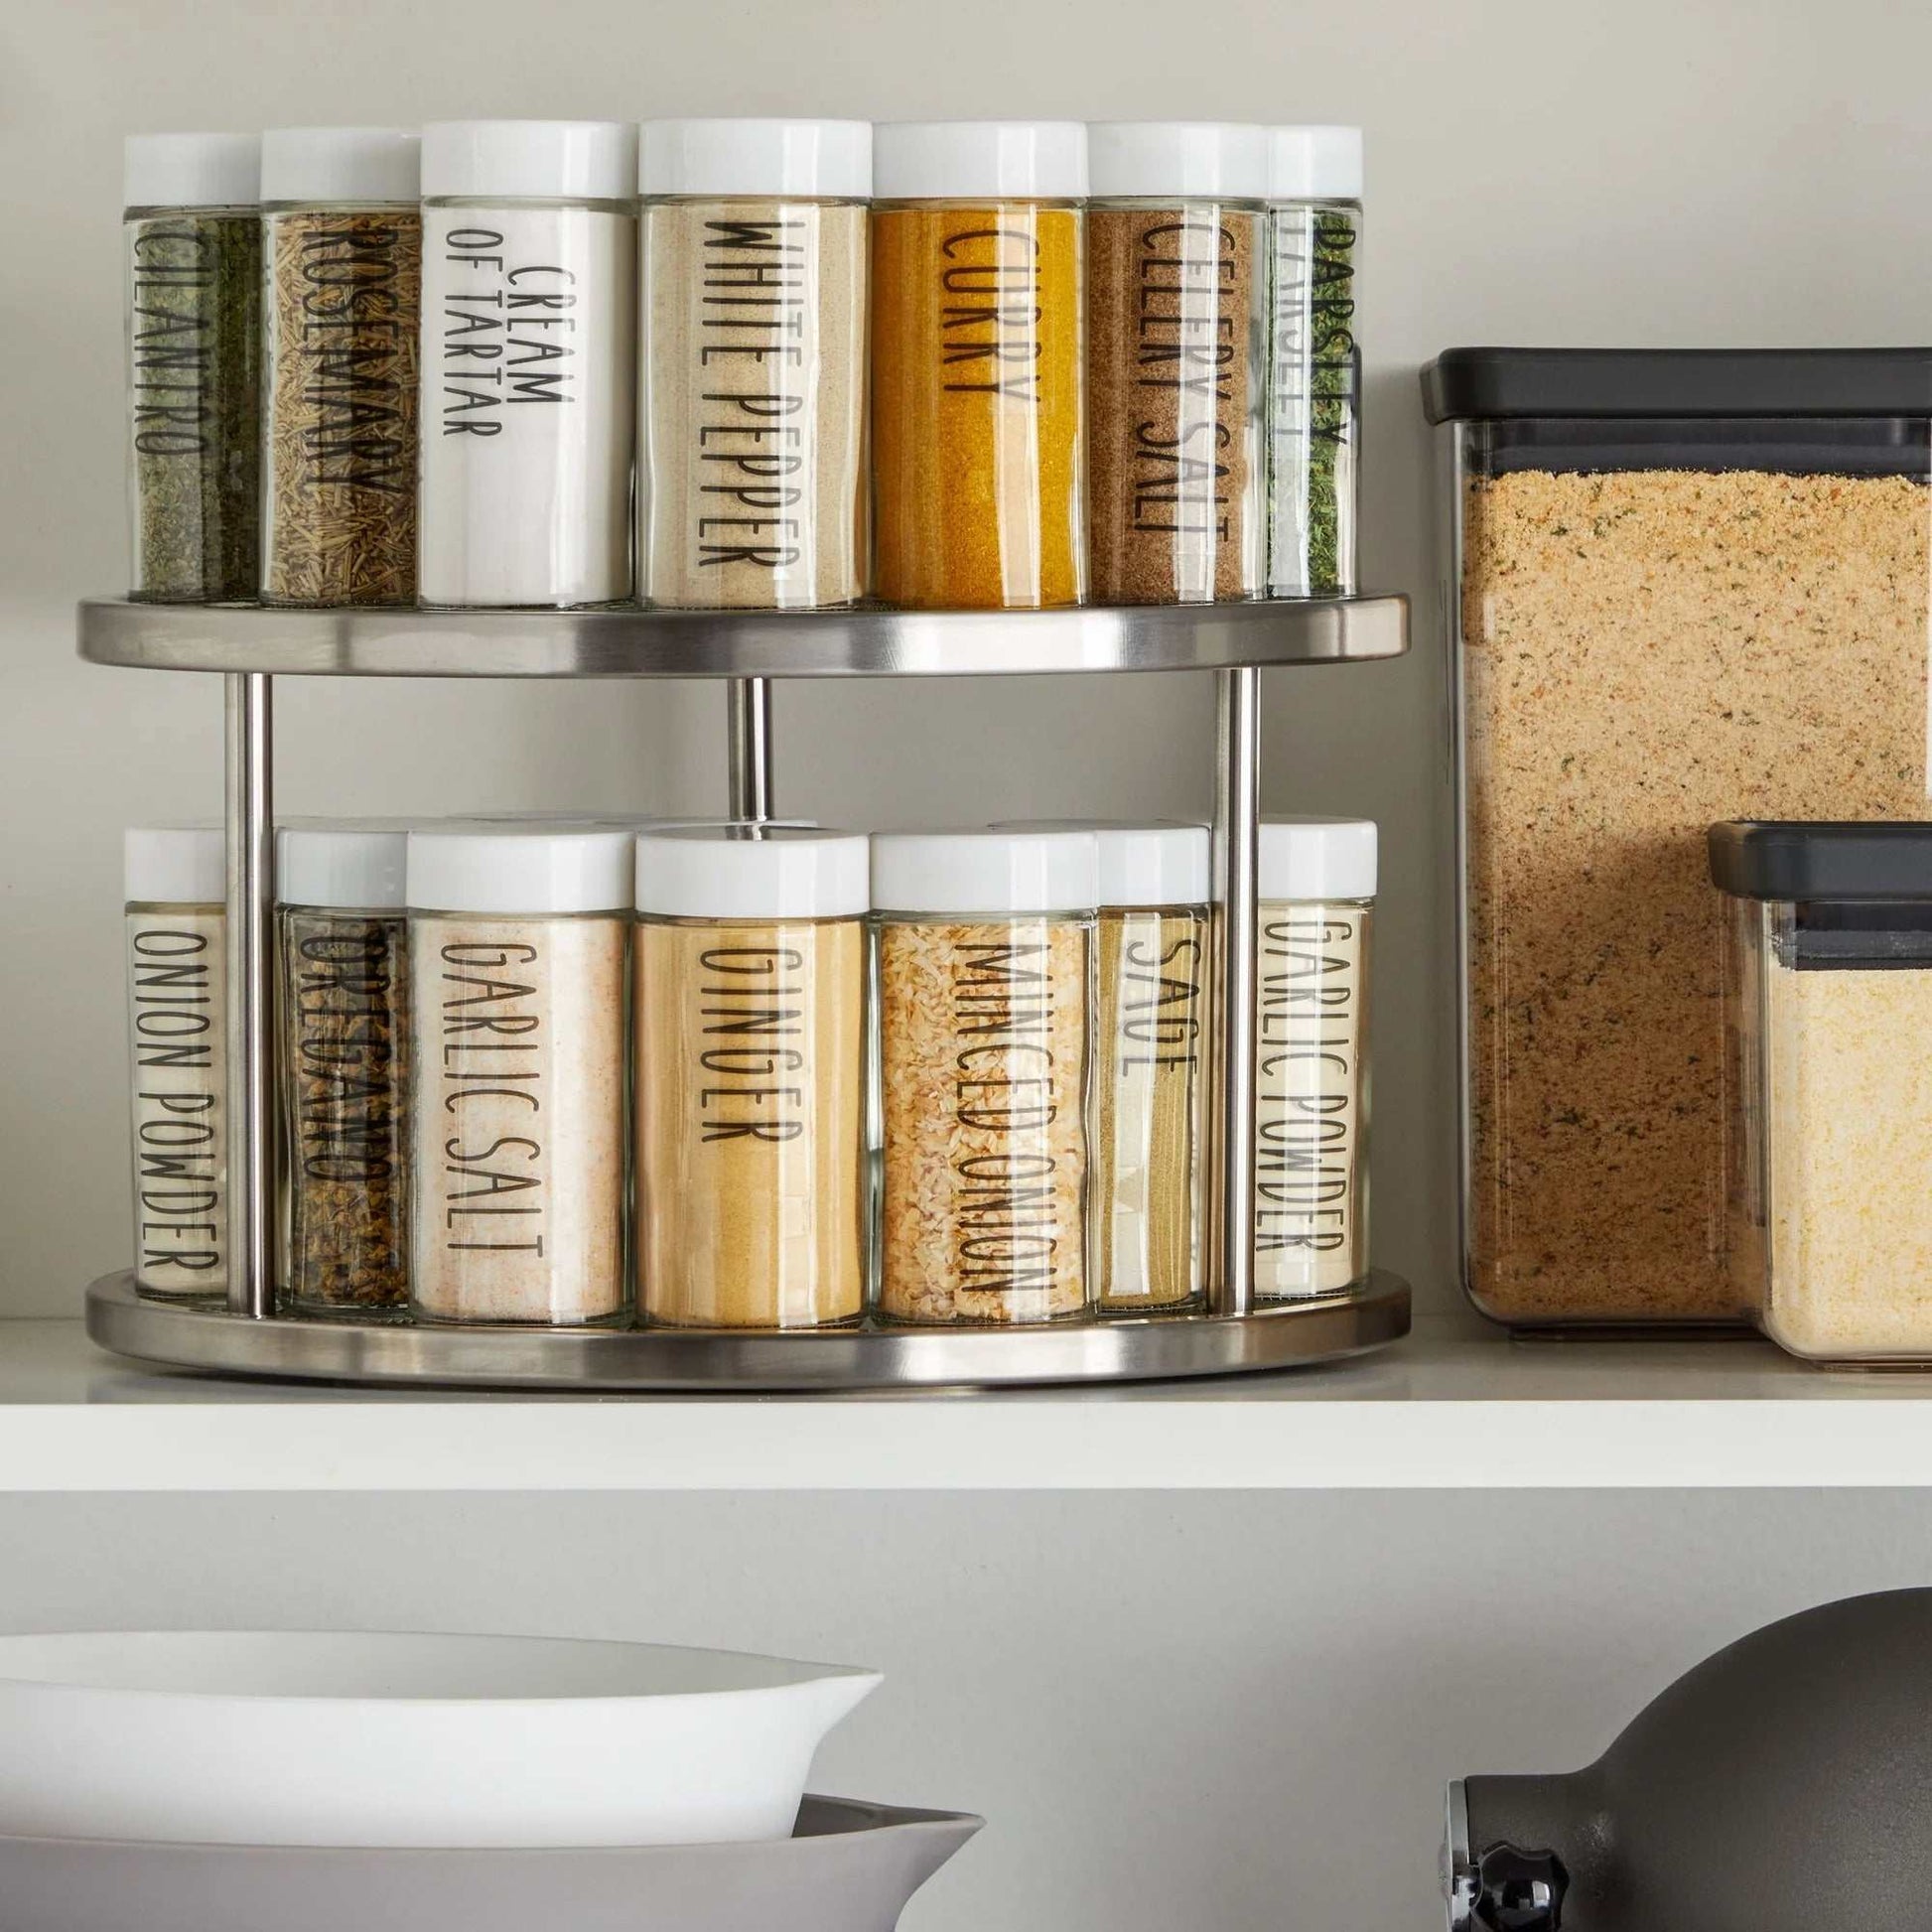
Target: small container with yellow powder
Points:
(1828, 1077)
(978, 351)
(985, 965)
(750, 1078)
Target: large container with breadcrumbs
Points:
(1685, 586)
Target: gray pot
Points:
(850, 1868)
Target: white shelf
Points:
(1455, 1407)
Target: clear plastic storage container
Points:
(178, 1058)
(985, 943)
(529, 361)
(1828, 1008)
(752, 476)
(978, 348)
(749, 1079)
(520, 948)
(1314, 389)
(1317, 891)
(345, 1026)
(343, 262)
(194, 253)
(1178, 268)
(1686, 586)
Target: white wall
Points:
(1659, 171)
(1229, 1712)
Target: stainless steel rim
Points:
(661, 1361)
(740, 644)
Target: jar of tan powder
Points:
(519, 943)
(750, 1077)
(1176, 312)
(178, 1054)
(985, 966)
(1310, 1147)
(752, 471)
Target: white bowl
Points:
(316, 1737)
(851, 1867)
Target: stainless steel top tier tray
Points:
(669, 1361)
(738, 643)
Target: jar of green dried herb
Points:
(1315, 421)
(192, 256)
(342, 243)
(345, 1063)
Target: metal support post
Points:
(749, 702)
(1237, 837)
(250, 826)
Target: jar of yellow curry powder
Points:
(978, 349)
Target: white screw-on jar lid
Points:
(1187, 160)
(192, 171)
(942, 161)
(811, 160)
(174, 865)
(562, 161)
(343, 863)
(350, 164)
(1317, 858)
(535, 869)
(754, 874)
(1140, 861)
(1315, 163)
(998, 871)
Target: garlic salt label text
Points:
(176, 978)
(527, 405)
(1307, 1099)
(984, 1041)
(519, 1128)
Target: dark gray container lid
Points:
(849, 1867)
(1502, 384)
(1807, 861)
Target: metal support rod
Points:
(749, 702)
(1237, 839)
(250, 826)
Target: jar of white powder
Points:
(752, 469)
(518, 957)
(1828, 1077)
(529, 360)
(177, 1061)
(1310, 1147)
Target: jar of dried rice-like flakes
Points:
(985, 960)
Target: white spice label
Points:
(527, 410)
(1308, 1100)
(519, 1128)
(178, 1048)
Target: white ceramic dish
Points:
(314, 1738)
(850, 1869)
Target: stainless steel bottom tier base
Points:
(664, 1361)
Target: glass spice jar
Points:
(518, 949)
(528, 363)
(345, 1068)
(343, 261)
(1828, 1078)
(193, 256)
(978, 344)
(752, 466)
(1316, 893)
(750, 1077)
(984, 972)
(1314, 389)
(1177, 334)
(178, 1058)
